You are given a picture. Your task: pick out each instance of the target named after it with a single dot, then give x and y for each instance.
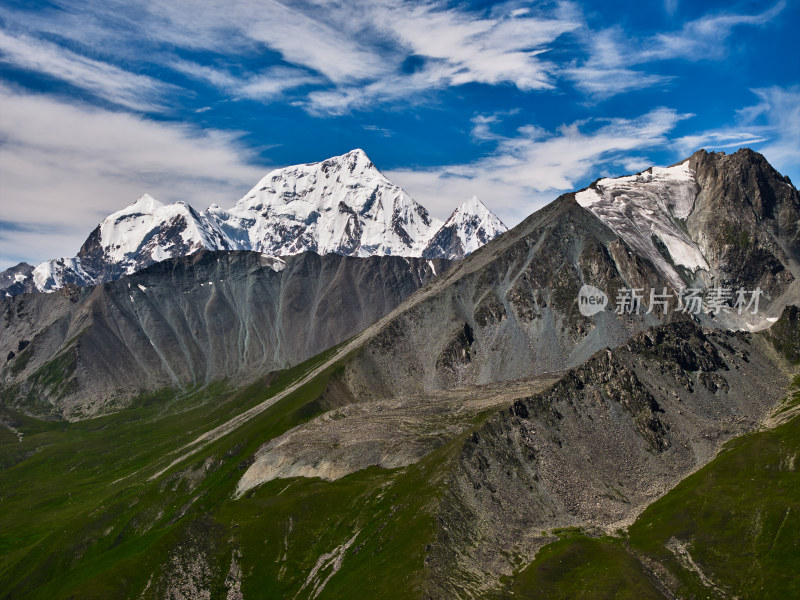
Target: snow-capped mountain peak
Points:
(149, 227)
(315, 182)
(146, 204)
(475, 208)
(469, 227)
(342, 205)
(58, 272)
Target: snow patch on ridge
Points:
(650, 205)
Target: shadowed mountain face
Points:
(510, 310)
(746, 221)
(191, 321)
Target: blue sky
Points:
(515, 102)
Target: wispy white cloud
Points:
(615, 62)
(362, 52)
(340, 56)
(532, 168)
(671, 6)
(106, 81)
(273, 82)
(705, 37)
(267, 84)
(721, 139)
(382, 131)
(219, 78)
(70, 166)
(366, 40)
(322, 36)
(465, 48)
(482, 128)
(779, 113)
(437, 46)
(600, 81)
(412, 89)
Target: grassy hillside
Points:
(81, 515)
(80, 518)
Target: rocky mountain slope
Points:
(191, 321)
(508, 310)
(591, 451)
(343, 205)
(511, 309)
(608, 439)
(442, 450)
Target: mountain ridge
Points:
(342, 205)
(190, 321)
(506, 311)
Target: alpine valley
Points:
(324, 392)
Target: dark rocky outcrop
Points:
(746, 220)
(785, 334)
(17, 280)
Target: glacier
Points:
(646, 206)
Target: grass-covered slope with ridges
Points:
(81, 517)
(75, 496)
(580, 567)
(117, 507)
(733, 529)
